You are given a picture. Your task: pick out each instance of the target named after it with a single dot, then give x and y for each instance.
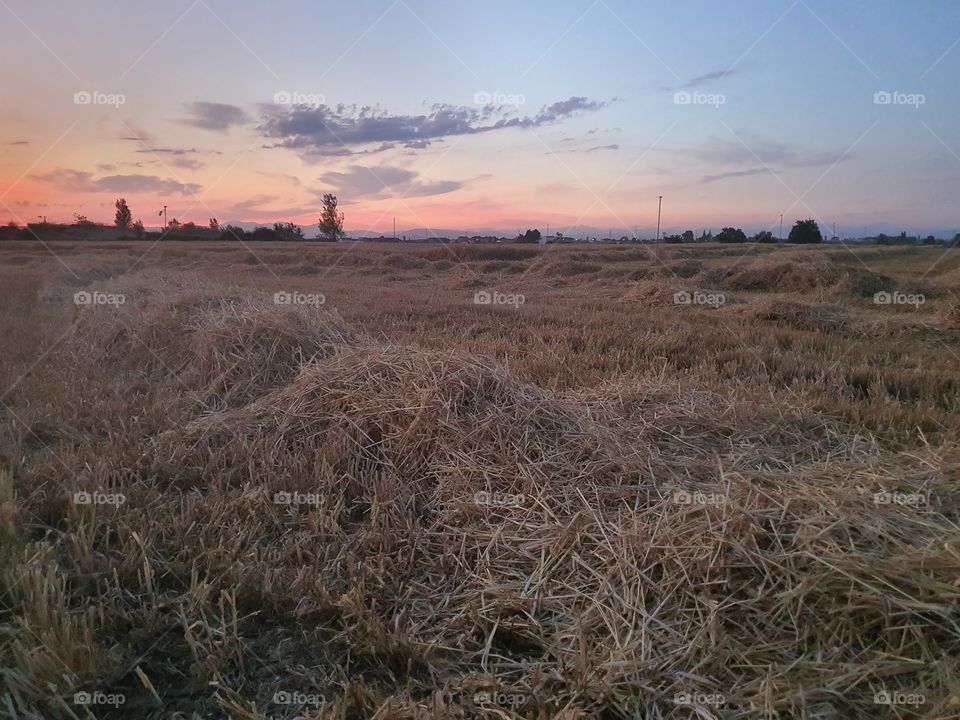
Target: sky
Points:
(494, 115)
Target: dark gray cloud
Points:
(326, 130)
(708, 78)
(215, 116)
(734, 174)
(773, 153)
(756, 155)
(81, 181)
(613, 146)
(19, 142)
(179, 152)
(252, 205)
(184, 158)
(358, 181)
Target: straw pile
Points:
(417, 534)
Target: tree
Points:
(530, 236)
(288, 231)
(138, 229)
(123, 218)
(687, 236)
(263, 234)
(731, 235)
(805, 232)
(331, 221)
(214, 224)
(764, 236)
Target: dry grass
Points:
(597, 503)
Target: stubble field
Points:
(495, 481)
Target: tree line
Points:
(803, 232)
(330, 226)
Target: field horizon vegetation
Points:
(403, 481)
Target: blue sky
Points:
(492, 115)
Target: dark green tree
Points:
(331, 221)
(805, 232)
(123, 219)
(288, 231)
(731, 235)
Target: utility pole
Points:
(781, 228)
(659, 207)
(394, 228)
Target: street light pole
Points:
(659, 208)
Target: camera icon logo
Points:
(282, 298)
(882, 298)
(82, 298)
(82, 498)
(682, 298)
(283, 98)
(282, 498)
(682, 98)
(882, 697)
(882, 98)
(682, 497)
(82, 98)
(482, 98)
(82, 698)
(482, 297)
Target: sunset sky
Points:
(485, 115)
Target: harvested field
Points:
(325, 481)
